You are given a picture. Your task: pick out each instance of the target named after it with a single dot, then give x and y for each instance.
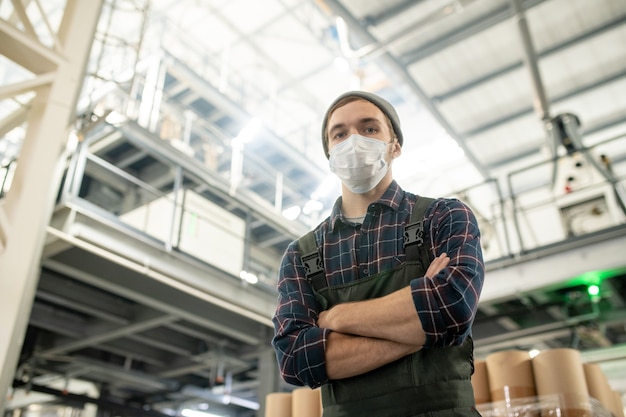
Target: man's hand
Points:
(437, 265)
(370, 333)
(322, 320)
(392, 317)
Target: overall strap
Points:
(312, 260)
(414, 233)
(413, 244)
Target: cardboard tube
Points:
(559, 372)
(306, 402)
(617, 407)
(480, 383)
(510, 375)
(598, 385)
(278, 404)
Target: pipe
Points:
(530, 57)
(79, 400)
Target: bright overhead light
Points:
(249, 131)
(115, 118)
(312, 206)
(342, 64)
(328, 186)
(187, 412)
(248, 277)
(292, 212)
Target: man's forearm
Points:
(348, 355)
(392, 317)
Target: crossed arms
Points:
(369, 334)
(352, 338)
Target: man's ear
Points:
(397, 149)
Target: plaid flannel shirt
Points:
(446, 304)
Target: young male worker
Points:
(376, 303)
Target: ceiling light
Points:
(326, 187)
(115, 118)
(292, 212)
(312, 206)
(342, 64)
(249, 277)
(249, 131)
(187, 412)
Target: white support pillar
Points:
(26, 210)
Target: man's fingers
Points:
(437, 265)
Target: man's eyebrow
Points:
(336, 126)
(369, 120)
(361, 121)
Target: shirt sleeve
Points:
(298, 341)
(447, 303)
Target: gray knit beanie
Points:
(378, 101)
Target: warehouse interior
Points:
(157, 156)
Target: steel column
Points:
(28, 205)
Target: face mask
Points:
(359, 162)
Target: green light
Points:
(593, 290)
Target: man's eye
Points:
(370, 130)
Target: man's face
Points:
(357, 117)
(363, 118)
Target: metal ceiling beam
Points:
(194, 364)
(234, 110)
(73, 399)
(76, 297)
(540, 99)
(554, 264)
(152, 342)
(133, 352)
(400, 71)
(14, 119)
(27, 51)
(166, 341)
(119, 374)
(51, 319)
(187, 299)
(597, 128)
(28, 205)
(542, 54)
(529, 110)
(444, 11)
(147, 320)
(389, 12)
(511, 341)
(201, 335)
(136, 134)
(476, 26)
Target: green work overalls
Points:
(430, 382)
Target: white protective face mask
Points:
(359, 162)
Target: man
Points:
(376, 303)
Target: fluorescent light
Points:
(292, 212)
(249, 131)
(312, 206)
(330, 185)
(187, 412)
(248, 277)
(342, 64)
